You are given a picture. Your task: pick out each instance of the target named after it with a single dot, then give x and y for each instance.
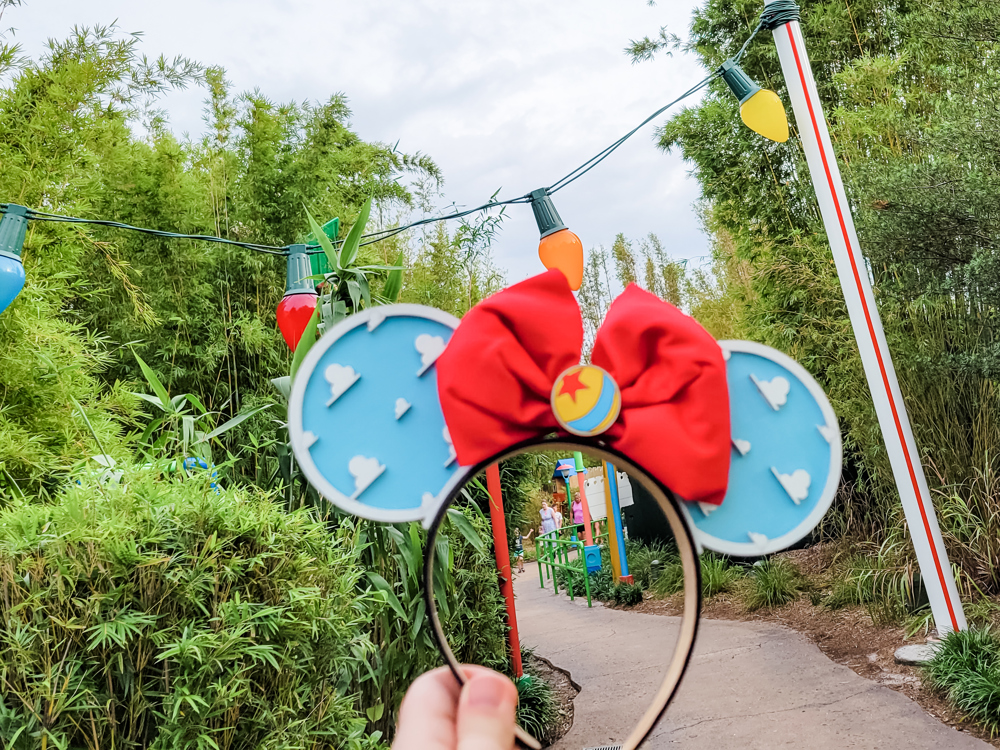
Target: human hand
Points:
(439, 714)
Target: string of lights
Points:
(36, 215)
(378, 236)
(761, 110)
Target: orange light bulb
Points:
(563, 250)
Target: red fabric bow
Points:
(495, 381)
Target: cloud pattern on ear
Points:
(364, 416)
(786, 456)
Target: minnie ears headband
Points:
(398, 406)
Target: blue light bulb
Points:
(13, 226)
(11, 279)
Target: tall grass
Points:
(537, 711)
(884, 582)
(641, 555)
(966, 668)
(160, 613)
(469, 603)
(718, 575)
(774, 582)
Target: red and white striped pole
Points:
(900, 445)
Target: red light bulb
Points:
(297, 306)
(294, 314)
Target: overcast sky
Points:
(508, 95)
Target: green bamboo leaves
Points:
(184, 426)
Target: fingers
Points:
(428, 713)
(437, 714)
(486, 711)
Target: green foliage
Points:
(62, 119)
(516, 486)
(537, 712)
(966, 668)
(574, 579)
(883, 582)
(201, 315)
(640, 557)
(153, 613)
(982, 613)
(773, 582)
(452, 272)
(468, 599)
(627, 594)
(913, 115)
(670, 581)
(718, 575)
(185, 426)
(347, 286)
(602, 583)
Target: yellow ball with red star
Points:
(586, 400)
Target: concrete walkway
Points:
(750, 686)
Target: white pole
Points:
(902, 449)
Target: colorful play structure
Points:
(603, 492)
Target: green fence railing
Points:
(555, 552)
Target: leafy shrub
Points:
(163, 614)
(670, 580)
(536, 706)
(602, 584)
(774, 582)
(468, 600)
(882, 583)
(573, 580)
(966, 668)
(627, 594)
(641, 555)
(717, 575)
(982, 613)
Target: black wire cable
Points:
(386, 233)
(778, 13)
(56, 218)
(602, 155)
(739, 55)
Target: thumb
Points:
(486, 712)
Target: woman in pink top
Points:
(577, 510)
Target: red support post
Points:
(499, 524)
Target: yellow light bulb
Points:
(563, 250)
(764, 113)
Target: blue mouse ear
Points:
(364, 416)
(786, 456)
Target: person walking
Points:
(548, 518)
(519, 550)
(577, 509)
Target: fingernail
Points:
(486, 692)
